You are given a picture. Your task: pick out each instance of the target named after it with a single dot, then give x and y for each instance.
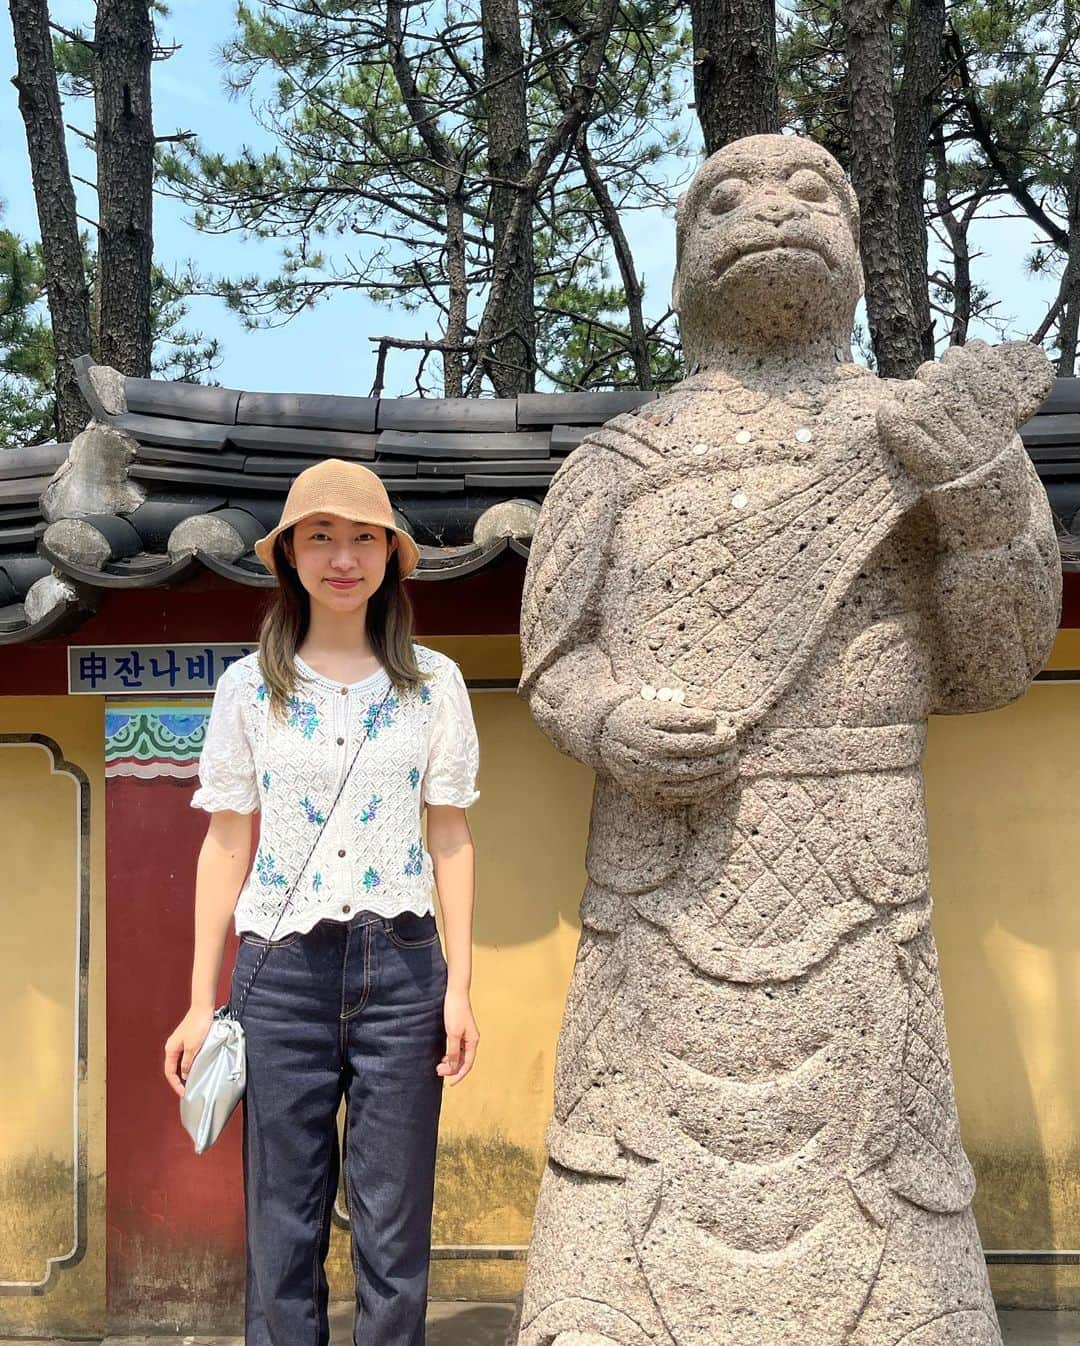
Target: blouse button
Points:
(346, 909)
(344, 691)
(341, 855)
(340, 742)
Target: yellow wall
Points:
(40, 989)
(1004, 828)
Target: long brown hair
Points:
(389, 628)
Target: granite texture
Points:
(742, 602)
(94, 478)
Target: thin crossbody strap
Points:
(372, 720)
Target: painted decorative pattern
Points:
(152, 741)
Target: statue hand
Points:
(668, 751)
(957, 413)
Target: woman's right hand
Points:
(182, 1045)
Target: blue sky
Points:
(327, 349)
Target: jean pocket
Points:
(258, 942)
(409, 931)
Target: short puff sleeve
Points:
(453, 750)
(227, 764)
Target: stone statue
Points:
(742, 603)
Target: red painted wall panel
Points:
(175, 1233)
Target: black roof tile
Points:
(578, 408)
(31, 461)
(168, 431)
(309, 411)
(23, 490)
(190, 401)
(297, 440)
(476, 414)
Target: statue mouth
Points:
(725, 264)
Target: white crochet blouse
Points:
(421, 749)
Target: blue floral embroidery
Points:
(414, 776)
(380, 715)
(317, 880)
(371, 878)
(415, 863)
(368, 812)
(260, 692)
(266, 780)
(303, 716)
(425, 693)
(311, 812)
(268, 873)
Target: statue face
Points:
(767, 245)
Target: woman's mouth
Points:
(343, 585)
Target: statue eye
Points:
(808, 185)
(726, 195)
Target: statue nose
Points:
(775, 208)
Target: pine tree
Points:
(386, 178)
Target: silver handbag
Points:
(218, 1075)
(216, 1081)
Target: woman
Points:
(355, 998)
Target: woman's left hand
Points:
(462, 1037)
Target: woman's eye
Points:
(726, 195)
(808, 185)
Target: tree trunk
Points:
(124, 42)
(511, 368)
(68, 296)
(897, 348)
(1069, 292)
(457, 312)
(735, 82)
(632, 286)
(957, 229)
(923, 50)
(558, 139)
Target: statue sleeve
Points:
(996, 583)
(566, 674)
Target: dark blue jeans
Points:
(349, 1010)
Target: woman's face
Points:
(340, 563)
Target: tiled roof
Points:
(211, 467)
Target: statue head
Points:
(767, 250)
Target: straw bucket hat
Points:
(346, 489)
